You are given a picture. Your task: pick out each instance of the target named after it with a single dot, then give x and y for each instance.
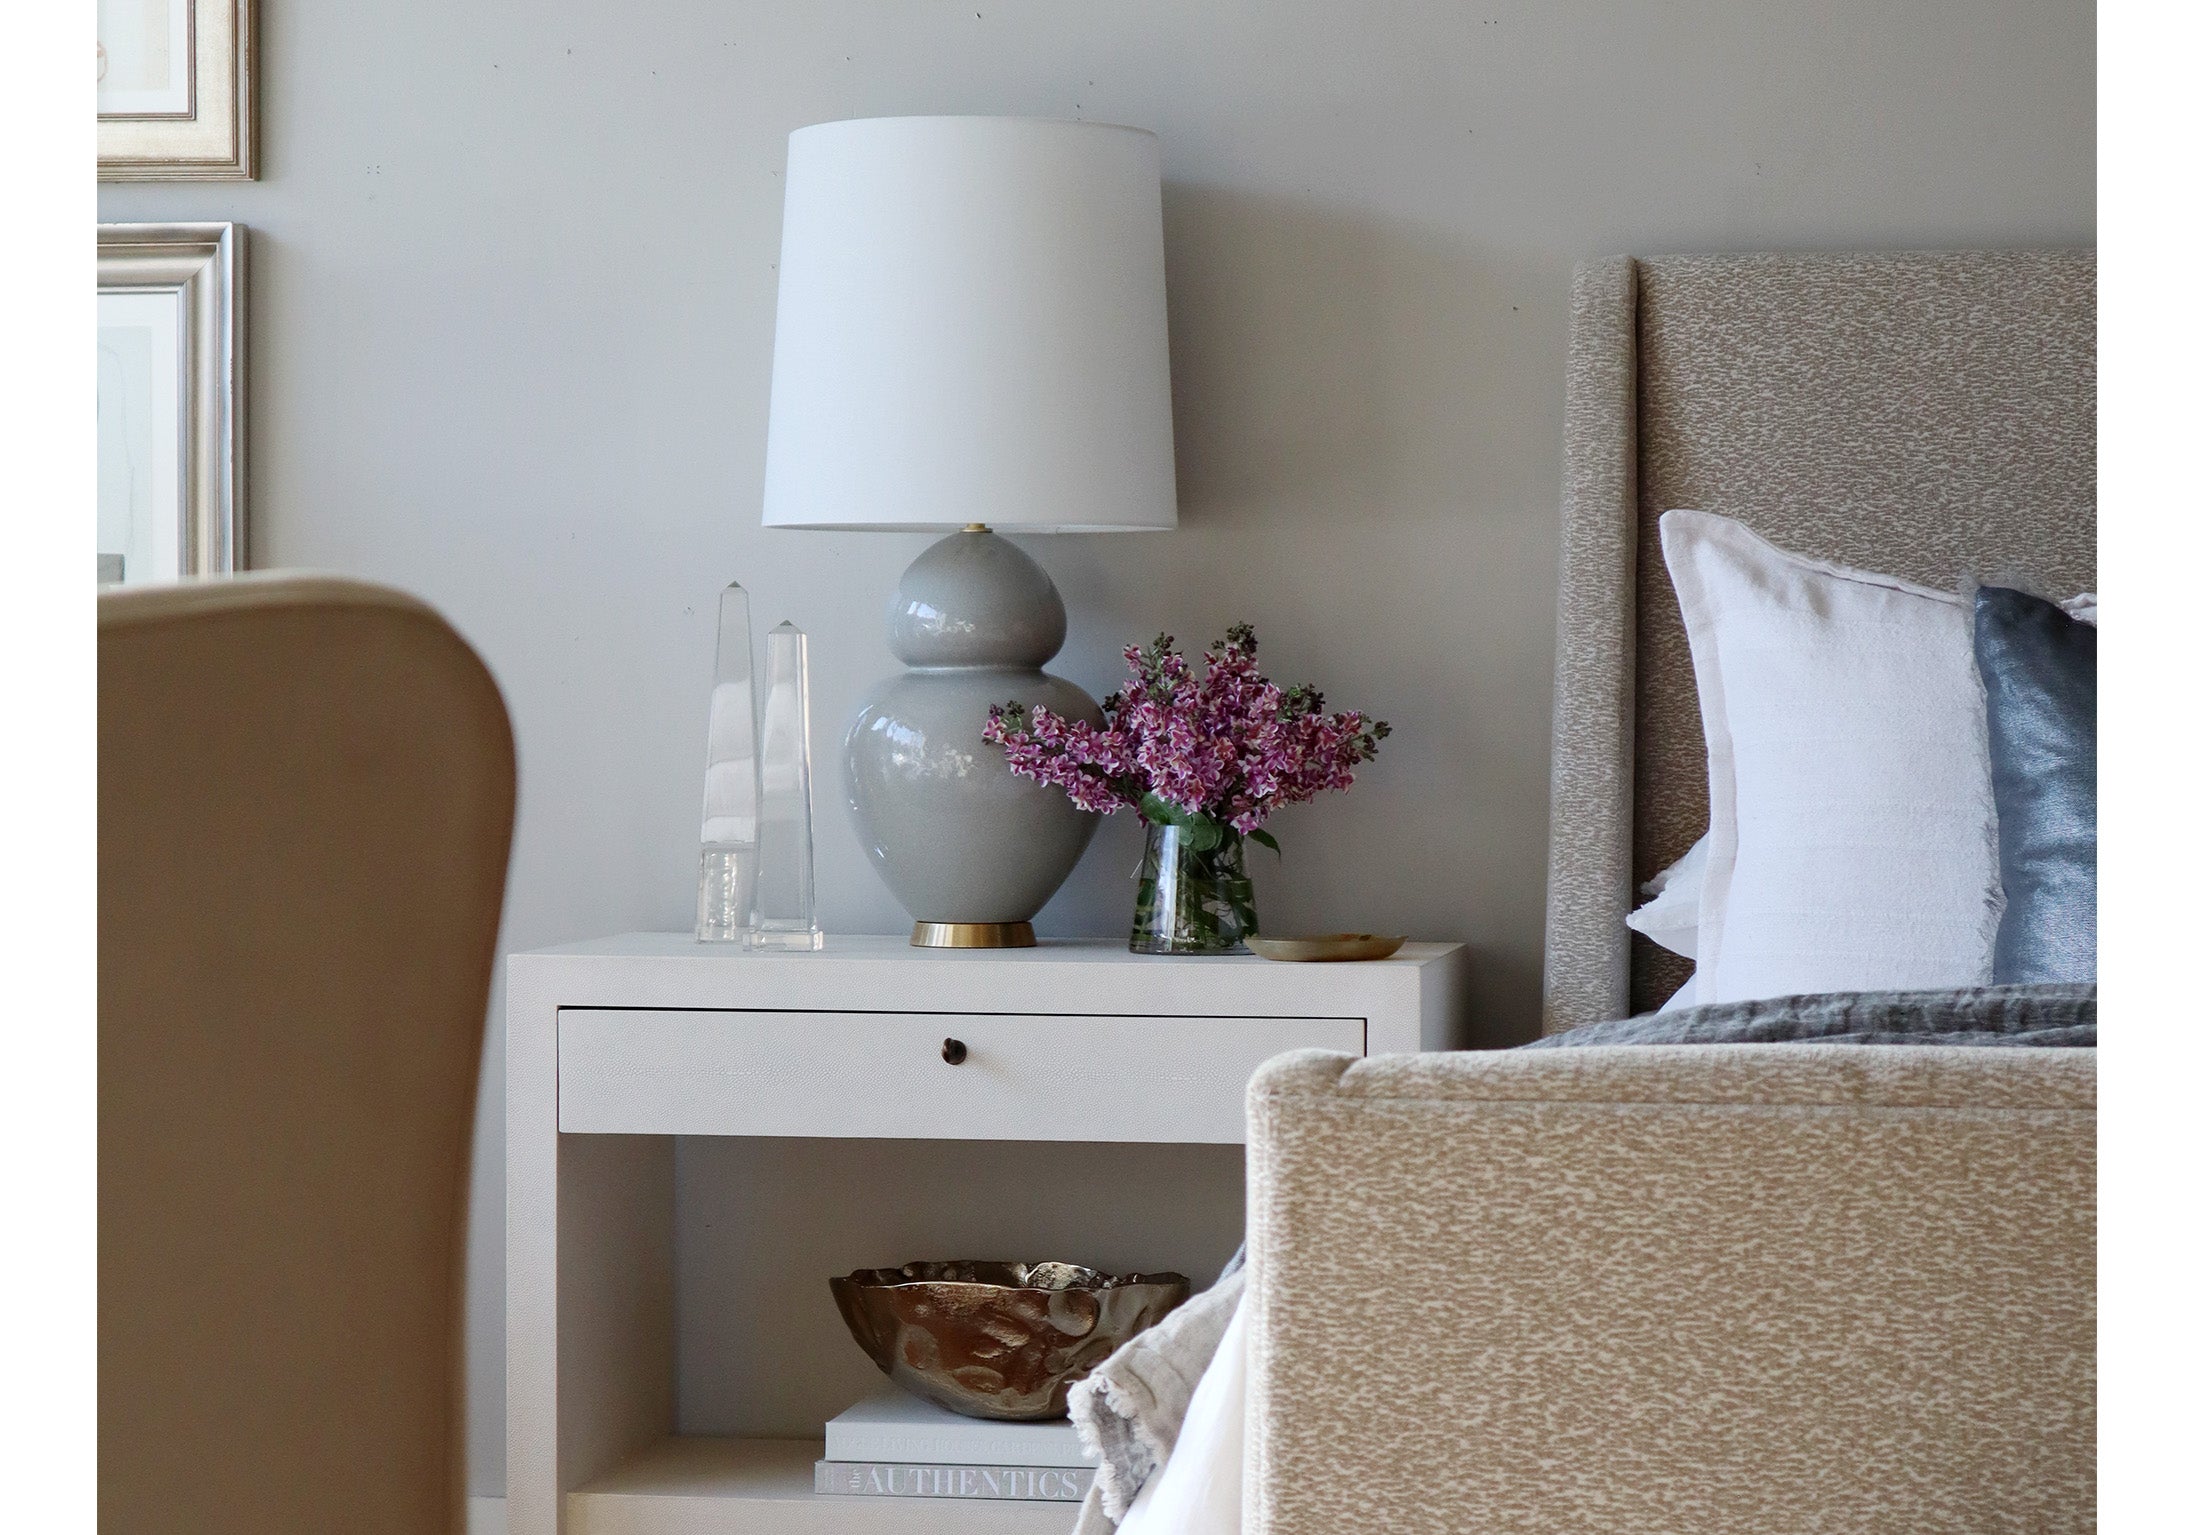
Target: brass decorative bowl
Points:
(998, 1340)
(1327, 947)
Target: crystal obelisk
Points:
(728, 783)
(784, 890)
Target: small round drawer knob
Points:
(954, 1052)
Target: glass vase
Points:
(1191, 900)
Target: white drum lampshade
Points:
(971, 328)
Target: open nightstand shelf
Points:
(618, 1048)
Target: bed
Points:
(1717, 1287)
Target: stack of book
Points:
(895, 1445)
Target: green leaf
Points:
(1164, 812)
(1199, 832)
(1267, 838)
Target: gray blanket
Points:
(2054, 1015)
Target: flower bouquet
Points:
(1204, 761)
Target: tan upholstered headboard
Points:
(1931, 415)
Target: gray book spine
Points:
(878, 1479)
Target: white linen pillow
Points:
(1670, 917)
(1851, 839)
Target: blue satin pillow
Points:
(2037, 666)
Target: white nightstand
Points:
(618, 1047)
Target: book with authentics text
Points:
(874, 1479)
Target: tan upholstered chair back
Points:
(305, 800)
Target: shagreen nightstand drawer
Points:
(1002, 1076)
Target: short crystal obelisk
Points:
(728, 781)
(784, 889)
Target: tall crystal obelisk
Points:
(729, 783)
(784, 891)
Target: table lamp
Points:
(971, 336)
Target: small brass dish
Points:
(1328, 946)
(998, 1340)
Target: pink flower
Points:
(1231, 745)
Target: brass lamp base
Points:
(973, 935)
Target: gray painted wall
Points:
(511, 304)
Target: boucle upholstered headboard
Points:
(1931, 415)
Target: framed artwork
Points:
(175, 97)
(171, 401)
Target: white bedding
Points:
(1133, 1409)
(1198, 1489)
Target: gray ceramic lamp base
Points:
(971, 851)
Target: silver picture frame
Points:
(176, 90)
(171, 401)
